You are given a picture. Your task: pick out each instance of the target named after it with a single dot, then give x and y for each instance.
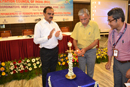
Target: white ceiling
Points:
(82, 1)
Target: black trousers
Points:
(49, 59)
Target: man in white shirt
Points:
(47, 33)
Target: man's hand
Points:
(57, 33)
(108, 65)
(128, 81)
(78, 52)
(83, 51)
(50, 35)
(128, 74)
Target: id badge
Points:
(115, 53)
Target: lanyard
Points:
(119, 37)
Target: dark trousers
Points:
(49, 59)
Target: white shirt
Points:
(41, 32)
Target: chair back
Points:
(65, 29)
(27, 32)
(5, 33)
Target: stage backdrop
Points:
(100, 8)
(31, 11)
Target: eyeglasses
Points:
(110, 20)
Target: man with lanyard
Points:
(118, 46)
(47, 33)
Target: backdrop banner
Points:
(31, 11)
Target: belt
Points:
(49, 49)
(124, 61)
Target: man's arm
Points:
(108, 65)
(59, 35)
(77, 50)
(82, 51)
(75, 44)
(37, 36)
(128, 74)
(128, 81)
(89, 47)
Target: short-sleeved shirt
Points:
(123, 44)
(85, 35)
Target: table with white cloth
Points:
(20, 47)
(58, 79)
